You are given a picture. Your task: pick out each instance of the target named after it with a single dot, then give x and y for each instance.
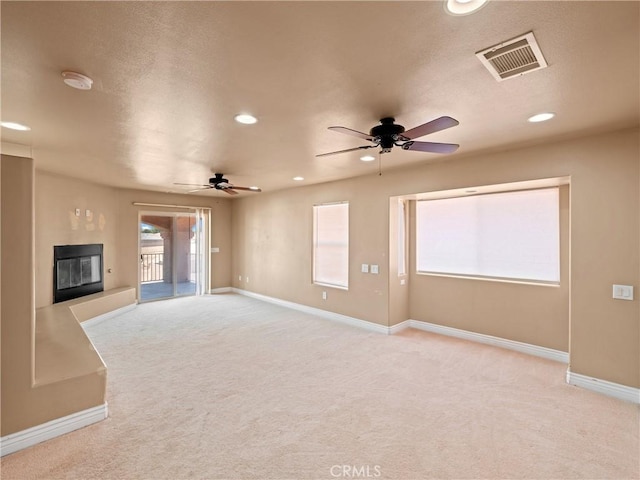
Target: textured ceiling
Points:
(170, 76)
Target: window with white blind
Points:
(331, 245)
(510, 235)
(402, 238)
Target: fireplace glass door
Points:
(172, 255)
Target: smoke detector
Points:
(77, 80)
(513, 58)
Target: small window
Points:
(402, 238)
(331, 245)
(511, 235)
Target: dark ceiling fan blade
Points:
(431, 147)
(228, 190)
(364, 147)
(248, 189)
(349, 131)
(433, 126)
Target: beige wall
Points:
(18, 312)
(57, 198)
(24, 405)
(127, 240)
(272, 247)
(114, 223)
(274, 250)
(534, 314)
(398, 284)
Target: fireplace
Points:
(77, 271)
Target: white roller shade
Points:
(505, 235)
(331, 244)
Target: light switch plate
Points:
(365, 268)
(374, 268)
(623, 292)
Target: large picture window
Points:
(331, 245)
(510, 235)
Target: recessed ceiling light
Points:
(77, 80)
(541, 117)
(368, 158)
(245, 118)
(463, 7)
(298, 179)
(15, 126)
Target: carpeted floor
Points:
(228, 387)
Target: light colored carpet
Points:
(228, 387)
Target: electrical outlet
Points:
(77, 212)
(247, 279)
(239, 278)
(324, 295)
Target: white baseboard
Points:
(221, 290)
(616, 390)
(106, 316)
(398, 327)
(40, 433)
(336, 317)
(527, 348)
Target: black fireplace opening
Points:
(77, 271)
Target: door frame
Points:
(202, 283)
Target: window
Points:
(402, 238)
(331, 244)
(513, 235)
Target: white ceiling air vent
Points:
(513, 58)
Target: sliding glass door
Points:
(173, 260)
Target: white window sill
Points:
(537, 283)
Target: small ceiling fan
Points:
(389, 134)
(218, 182)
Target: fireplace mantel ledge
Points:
(62, 349)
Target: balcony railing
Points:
(152, 269)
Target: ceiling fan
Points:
(218, 182)
(389, 134)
